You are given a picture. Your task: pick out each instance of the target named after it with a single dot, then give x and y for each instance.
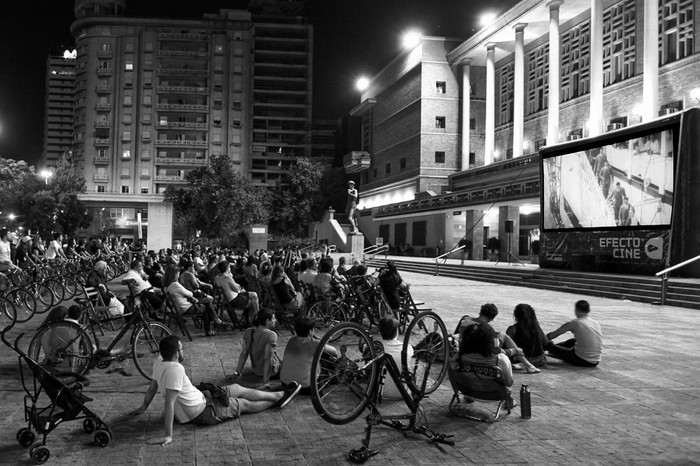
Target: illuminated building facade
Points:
(58, 115)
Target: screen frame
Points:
(671, 123)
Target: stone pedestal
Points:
(356, 243)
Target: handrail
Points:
(664, 276)
(437, 272)
(377, 249)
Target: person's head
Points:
(170, 348)
(303, 326)
(489, 311)
(56, 314)
(250, 261)
(223, 267)
(57, 236)
(74, 312)
(388, 328)
(172, 274)
(303, 265)
(277, 273)
(391, 266)
(265, 268)
(136, 265)
(478, 338)
(4, 232)
(264, 318)
(361, 269)
(625, 199)
(617, 184)
(326, 265)
(188, 265)
(311, 263)
(341, 261)
(351, 184)
(582, 308)
(526, 318)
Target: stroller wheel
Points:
(89, 425)
(25, 437)
(40, 454)
(102, 438)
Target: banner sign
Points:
(631, 251)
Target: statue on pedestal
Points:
(352, 204)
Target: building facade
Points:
(58, 115)
(156, 98)
(543, 73)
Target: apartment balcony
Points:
(101, 142)
(170, 179)
(180, 161)
(103, 106)
(182, 36)
(102, 125)
(104, 72)
(182, 124)
(100, 178)
(97, 160)
(105, 53)
(183, 107)
(188, 71)
(183, 89)
(181, 142)
(182, 53)
(103, 88)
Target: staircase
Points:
(681, 292)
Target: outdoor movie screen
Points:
(622, 185)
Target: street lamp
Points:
(46, 174)
(362, 83)
(411, 39)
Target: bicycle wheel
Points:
(25, 304)
(327, 315)
(342, 383)
(8, 314)
(378, 308)
(62, 346)
(144, 346)
(426, 352)
(44, 297)
(70, 287)
(57, 290)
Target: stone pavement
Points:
(640, 406)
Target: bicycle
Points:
(345, 384)
(23, 301)
(70, 346)
(365, 302)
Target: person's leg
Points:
(516, 353)
(252, 394)
(251, 407)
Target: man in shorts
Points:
(187, 404)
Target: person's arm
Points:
(506, 368)
(148, 397)
(168, 418)
(244, 353)
(560, 331)
(267, 366)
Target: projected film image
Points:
(621, 185)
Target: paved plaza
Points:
(640, 406)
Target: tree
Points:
(71, 214)
(218, 200)
(17, 181)
(67, 178)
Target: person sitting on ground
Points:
(187, 404)
(186, 302)
(260, 344)
(299, 354)
(287, 295)
(389, 331)
(505, 344)
(136, 279)
(586, 348)
(528, 335)
(236, 297)
(392, 284)
(478, 346)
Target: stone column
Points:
(650, 83)
(475, 227)
(466, 113)
(519, 90)
(596, 122)
(160, 225)
(490, 136)
(508, 212)
(554, 73)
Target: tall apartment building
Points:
(156, 98)
(544, 72)
(58, 115)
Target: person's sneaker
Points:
(518, 366)
(289, 393)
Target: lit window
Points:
(441, 87)
(126, 154)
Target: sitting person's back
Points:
(477, 346)
(389, 331)
(392, 284)
(528, 335)
(299, 354)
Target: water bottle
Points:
(525, 410)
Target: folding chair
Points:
(479, 382)
(171, 314)
(270, 300)
(221, 304)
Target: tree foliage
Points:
(219, 200)
(67, 178)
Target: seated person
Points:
(299, 353)
(505, 344)
(187, 404)
(307, 276)
(342, 268)
(260, 344)
(287, 295)
(136, 279)
(325, 284)
(389, 331)
(528, 335)
(477, 346)
(265, 271)
(188, 279)
(155, 276)
(392, 284)
(586, 348)
(235, 296)
(185, 301)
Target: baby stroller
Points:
(52, 398)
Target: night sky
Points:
(351, 38)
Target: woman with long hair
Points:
(528, 335)
(260, 344)
(478, 346)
